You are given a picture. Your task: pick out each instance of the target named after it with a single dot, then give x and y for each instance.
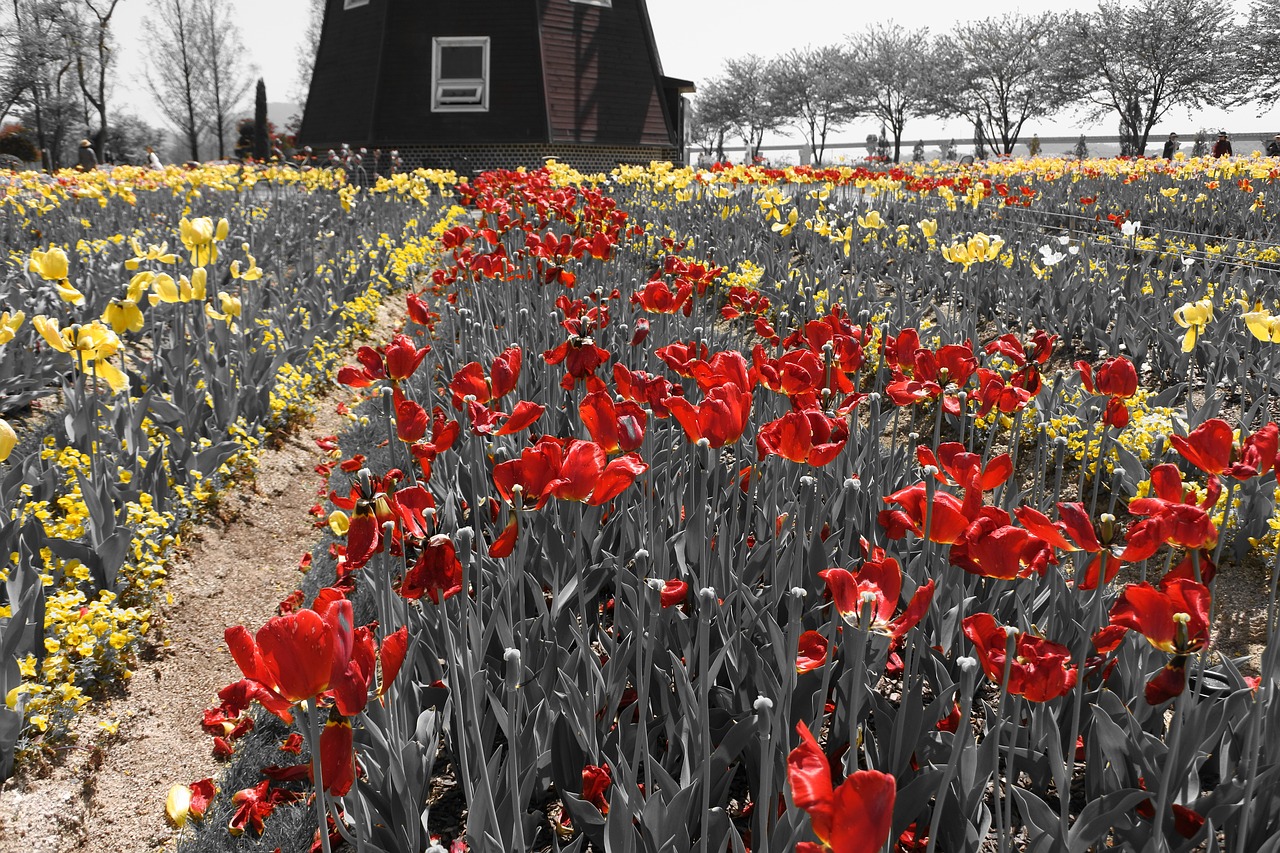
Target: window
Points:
(354, 4)
(460, 74)
(604, 4)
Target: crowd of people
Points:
(1221, 146)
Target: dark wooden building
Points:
(503, 83)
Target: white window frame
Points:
(603, 4)
(439, 105)
(353, 4)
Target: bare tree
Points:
(712, 116)
(225, 79)
(37, 72)
(1001, 73)
(747, 100)
(91, 32)
(812, 93)
(895, 68)
(1140, 59)
(176, 74)
(308, 49)
(1258, 56)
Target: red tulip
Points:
(534, 471)
(1174, 619)
(485, 421)
(371, 370)
(1116, 377)
(958, 467)
(994, 392)
(1041, 670)
(292, 655)
(419, 312)
(720, 418)
(947, 521)
(643, 389)
(503, 375)
(727, 367)
(1211, 447)
(674, 593)
(678, 356)
(572, 470)
(1076, 523)
(617, 427)
(595, 784)
(641, 332)
(411, 421)
(586, 477)
(403, 358)
(437, 572)
(992, 547)
(391, 657)
(856, 817)
(1174, 515)
(878, 582)
(657, 297)
(581, 358)
(337, 756)
(254, 805)
(812, 652)
(806, 437)
(900, 352)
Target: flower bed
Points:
(715, 486)
(166, 397)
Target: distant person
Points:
(1222, 148)
(153, 160)
(1273, 147)
(1171, 145)
(88, 160)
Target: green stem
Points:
(317, 772)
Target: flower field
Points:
(729, 510)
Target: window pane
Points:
(461, 63)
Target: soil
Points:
(107, 795)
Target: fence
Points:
(837, 152)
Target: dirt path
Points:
(236, 569)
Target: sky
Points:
(694, 39)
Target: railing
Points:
(1099, 145)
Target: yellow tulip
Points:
(164, 289)
(784, 228)
(872, 220)
(9, 324)
(8, 439)
(1193, 317)
(198, 280)
(123, 315)
(200, 238)
(138, 285)
(1264, 325)
(957, 253)
(928, 227)
(50, 265)
(107, 371)
(230, 304)
(159, 253)
(68, 293)
(253, 273)
(92, 340)
(339, 523)
(177, 805)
